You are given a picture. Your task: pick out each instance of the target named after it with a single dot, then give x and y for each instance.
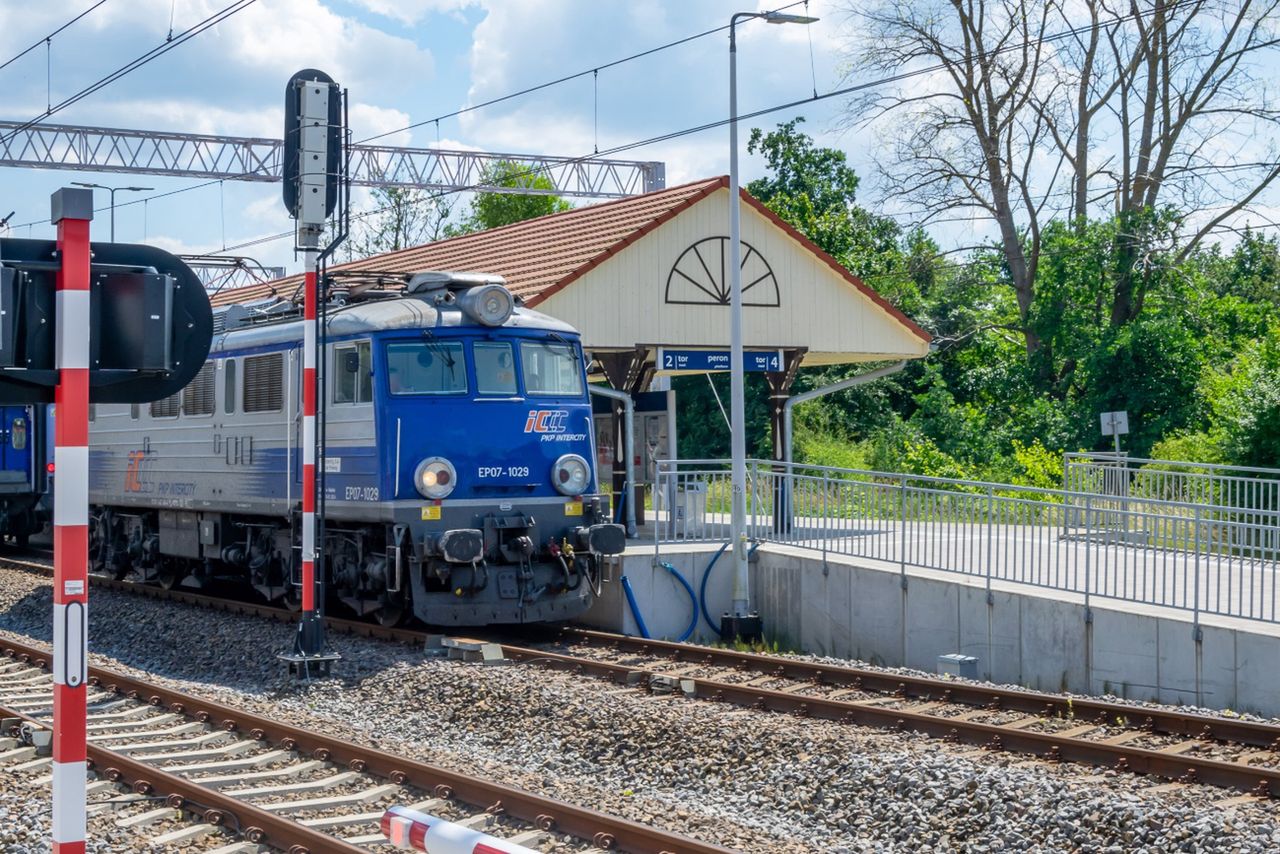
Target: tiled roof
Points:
(540, 256)
(536, 256)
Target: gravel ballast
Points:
(752, 781)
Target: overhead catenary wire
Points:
(509, 96)
(136, 63)
(712, 125)
(47, 38)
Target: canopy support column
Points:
(628, 372)
(779, 392)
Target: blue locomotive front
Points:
(457, 474)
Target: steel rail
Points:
(213, 806)
(1261, 781)
(1168, 721)
(603, 830)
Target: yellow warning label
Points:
(573, 508)
(430, 512)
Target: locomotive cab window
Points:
(551, 369)
(263, 383)
(495, 368)
(352, 377)
(427, 367)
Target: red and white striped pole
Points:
(309, 300)
(72, 209)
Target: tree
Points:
(973, 141)
(814, 189)
(494, 209)
(401, 218)
(1138, 109)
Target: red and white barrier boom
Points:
(418, 831)
(71, 212)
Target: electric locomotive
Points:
(458, 476)
(24, 481)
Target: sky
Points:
(403, 61)
(409, 61)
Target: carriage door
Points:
(15, 444)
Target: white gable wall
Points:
(621, 303)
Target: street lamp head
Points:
(87, 184)
(136, 189)
(782, 18)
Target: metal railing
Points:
(1174, 554)
(1243, 488)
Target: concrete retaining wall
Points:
(1037, 638)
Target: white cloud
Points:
(412, 11)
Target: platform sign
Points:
(705, 361)
(1115, 423)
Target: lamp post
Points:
(112, 191)
(737, 426)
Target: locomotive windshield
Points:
(551, 369)
(495, 368)
(427, 367)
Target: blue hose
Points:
(702, 589)
(635, 609)
(706, 574)
(693, 600)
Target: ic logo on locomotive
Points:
(132, 482)
(546, 421)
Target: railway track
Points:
(1185, 747)
(276, 785)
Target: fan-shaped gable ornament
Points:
(700, 276)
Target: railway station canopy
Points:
(647, 276)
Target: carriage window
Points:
(197, 397)
(352, 386)
(551, 369)
(495, 368)
(168, 407)
(229, 386)
(263, 383)
(429, 367)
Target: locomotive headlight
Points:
(487, 304)
(571, 475)
(435, 477)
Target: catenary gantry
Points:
(235, 158)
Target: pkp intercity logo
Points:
(546, 421)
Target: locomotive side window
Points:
(263, 383)
(353, 386)
(551, 369)
(197, 397)
(229, 387)
(495, 367)
(428, 367)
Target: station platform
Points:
(1037, 637)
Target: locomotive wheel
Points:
(169, 579)
(292, 599)
(389, 616)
